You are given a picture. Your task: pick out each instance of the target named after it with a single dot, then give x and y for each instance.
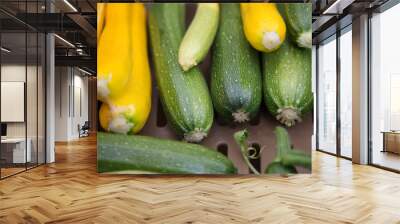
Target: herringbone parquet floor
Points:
(70, 191)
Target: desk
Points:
(391, 141)
(18, 151)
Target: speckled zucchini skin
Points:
(236, 84)
(287, 82)
(184, 95)
(298, 20)
(123, 153)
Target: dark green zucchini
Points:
(287, 82)
(141, 154)
(298, 20)
(184, 95)
(236, 83)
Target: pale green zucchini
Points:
(184, 95)
(199, 36)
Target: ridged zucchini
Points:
(298, 20)
(287, 83)
(142, 154)
(200, 35)
(184, 95)
(236, 83)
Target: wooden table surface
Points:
(70, 191)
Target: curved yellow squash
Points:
(129, 112)
(101, 13)
(263, 26)
(114, 51)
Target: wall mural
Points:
(204, 88)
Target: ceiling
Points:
(16, 43)
(40, 5)
(75, 21)
(329, 16)
(72, 20)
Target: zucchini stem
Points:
(240, 116)
(241, 139)
(305, 40)
(282, 142)
(122, 118)
(195, 136)
(296, 157)
(187, 62)
(288, 116)
(286, 155)
(271, 40)
(102, 88)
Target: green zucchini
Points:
(184, 95)
(236, 83)
(200, 35)
(119, 153)
(287, 83)
(298, 20)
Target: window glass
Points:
(22, 90)
(327, 96)
(385, 114)
(346, 94)
(15, 150)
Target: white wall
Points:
(80, 100)
(71, 94)
(12, 73)
(62, 82)
(33, 127)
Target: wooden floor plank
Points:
(70, 191)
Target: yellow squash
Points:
(263, 26)
(104, 116)
(114, 51)
(128, 112)
(101, 13)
